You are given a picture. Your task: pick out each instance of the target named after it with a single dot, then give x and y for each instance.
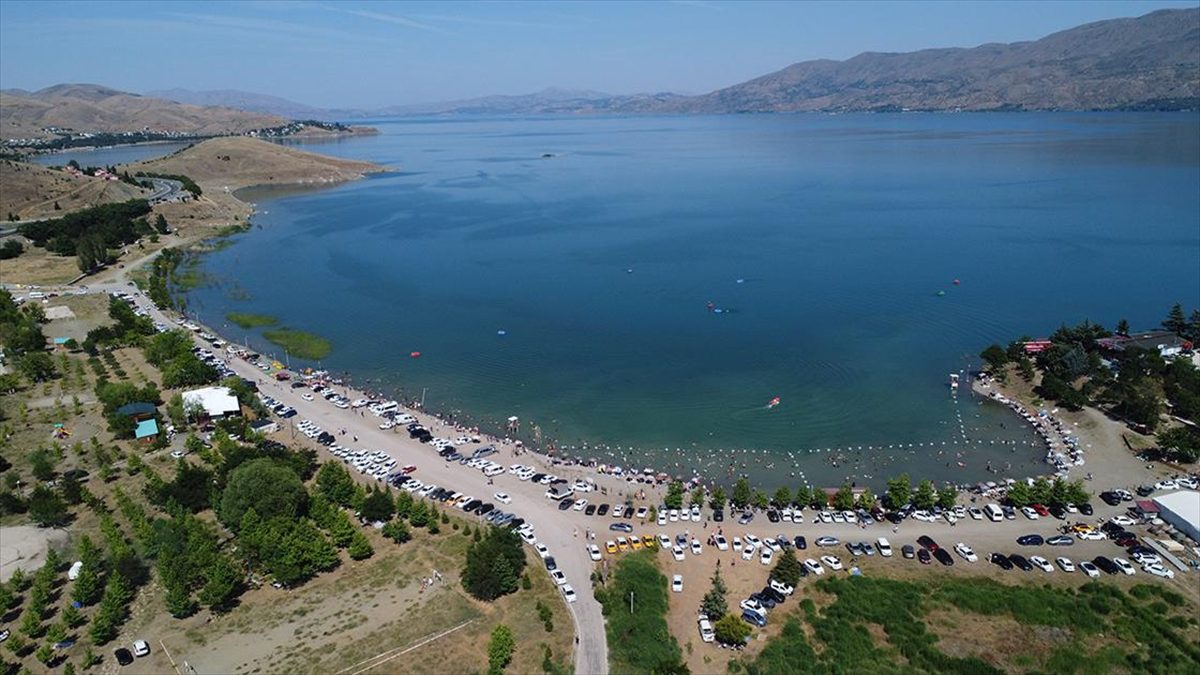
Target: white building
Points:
(1181, 509)
(215, 402)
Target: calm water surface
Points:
(824, 240)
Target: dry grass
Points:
(30, 191)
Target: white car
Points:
(1065, 564)
(722, 544)
(752, 605)
(966, 552)
(832, 562)
(502, 497)
(1094, 535)
(677, 583)
(752, 541)
(541, 550)
(696, 549)
(766, 555)
(695, 514)
(580, 504)
(748, 553)
(1041, 563)
(662, 518)
(664, 541)
(1124, 566)
(1124, 521)
(1029, 512)
(677, 552)
(306, 397)
(1158, 571)
(568, 592)
(1090, 569)
(673, 515)
(782, 587)
(140, 648)
(527, 536)
(706, 631)
(593, 552)
(558, 577)
(814, 567)
(737, 543)
(178, 454)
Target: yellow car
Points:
(635, 542)
(649, 542)
(610, 547)
(1081, 528)
(622, 544)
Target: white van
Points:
(885, 547)
(76, 568)
(706, 631)
(993, 512)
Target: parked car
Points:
(1031, 540)
(908, 551)
(943, 556)
(754, 618)
(827, 541)
(1065, 564)
(1089, 569)
(1020, 562)
(927, 543)
(1106, 565)
(1001, 560)
(966, 552)
(621, 527)
(1060, 540)
(568, 592)
(124, 656)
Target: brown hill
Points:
(1150, 62)
(95, 109)
(30, 191)
(221, 164)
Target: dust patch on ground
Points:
(24, 547)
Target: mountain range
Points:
(1148, 62)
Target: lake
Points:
(569, 271)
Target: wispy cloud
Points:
(270, 27)
(385, 17)
(481, 21)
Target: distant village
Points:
(59, 138)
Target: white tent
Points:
(1181, 509)
(215, 401)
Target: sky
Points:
(371, 54)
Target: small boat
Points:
(774, 402)
(954, 380)
(415, 355)
(941, 293)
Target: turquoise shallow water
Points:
(824, 240)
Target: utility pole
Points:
(631, 602)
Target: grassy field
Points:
(375, 614)
(299, 343)
(248, 320)
(635, 603)
(963, 625)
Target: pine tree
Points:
(360, 547)
(741, 494)
(714, 604)
(925, 496)
(1175, 321)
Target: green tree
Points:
(46, 508)
(335, 483)
(715, 603)
(844, 499)
(341, 530)
(1175, 321)
(741, 494)
(866, 501)
(1122, 327)
(86, 588)
(760, 499)
(802, 496)
(674, 498)
(397, 531)
(222, 583)
(787, 569)
(1180, 444)
(996, 357)
(418, 516)
(782, 497)
(72, 617)
(36, 366)
(8, 599)
(1019, 494)
(717, 500)
(45, 653)
(947, 497)
(1040, 491)
(360, 547)
(72, 491)
(899, 492)
(500, 649)
(57, 633)
(925, 496)
(266, 487)
(31, 622)
(731, 630)
(494, 564)
(697, 497)
(404, 505)
(378, 506)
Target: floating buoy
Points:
(941, 293)
(501, 332)
(415, 355)
(957, 282)
(741, 281)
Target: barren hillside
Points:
(30, 191)
(237, 162)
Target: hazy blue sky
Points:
(378, 53)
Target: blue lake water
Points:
(110, 156)
(824, 240)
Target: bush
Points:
(731, 630)
(638, 640)
(500, 649)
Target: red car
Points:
(1041, 510)
(409, 469)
